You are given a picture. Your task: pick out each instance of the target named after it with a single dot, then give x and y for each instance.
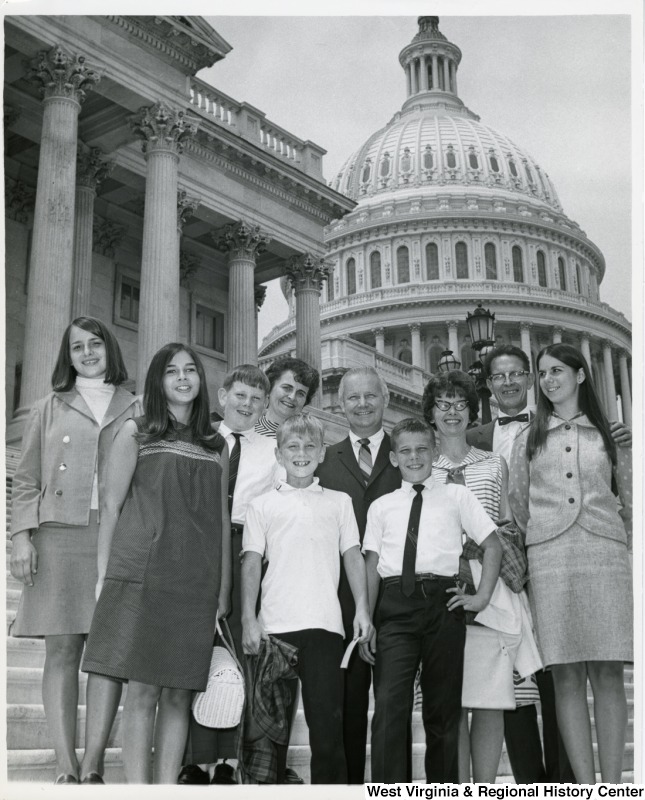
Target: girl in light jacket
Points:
(54, 530)
(580, 583)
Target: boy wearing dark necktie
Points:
(413, 541)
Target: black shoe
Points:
(191, 773)
(224, 773)
(291, 776)
(66, 779)
(93, 777)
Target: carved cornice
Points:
(92, 168)
(163, 128)
(60, 74)
(19, 201)
(307, 272)
(241, 240)
(186, 207)
(107, 236)
(189, 263)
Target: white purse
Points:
(220, 704)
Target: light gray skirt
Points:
(580, 589)
(61, 601)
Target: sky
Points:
(558, 86)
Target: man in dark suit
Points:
(360, 466)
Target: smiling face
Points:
(454, 420)
(243, 405)
(288, 397)
(512, 391)
(363, 404)
(560, 383)
(300, 456)
(87, 353)
(180, 383)
(412, 454)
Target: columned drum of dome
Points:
(451, 211)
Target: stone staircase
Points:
(30, 755)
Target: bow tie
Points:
(517, 418)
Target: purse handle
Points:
(230, 647)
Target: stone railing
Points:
(251, 124)
(487, 291)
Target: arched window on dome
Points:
(529, 174)
(403, 264)
(473, 161)
(461, 259)
(518, 266)
(350, 268)
(512, 167)
(375, 270)
(432, 261)
(494, 163)
(428, 161)
(367, 171)
(541, 265)
(578, 279)
(490, 260)
(562, 274)
(406, 160)
(451, 159)
(384, 170)
(434, 354)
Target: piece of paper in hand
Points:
(348, 654)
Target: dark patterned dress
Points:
(155, 619)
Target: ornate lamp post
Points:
(448, 362)
(481, 325)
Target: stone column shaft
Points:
(525, 335)
(612, 405)
(435, 72)
(379, 338)
(415, 76)
(454, 78)
(408, 79)
(625, 391)
(417, 355)
(424, 74)
(453, 339)
(446, 74)
(557, 335)
(63, 79)
(586, 349)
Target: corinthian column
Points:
(612, 405)
(625, 391)
(63, 80)
(244, 243)
(525, 340)
(91, 170)
(415, 335)
(163, 130)
(307, 274)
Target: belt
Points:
(235, 528)
(420, 577)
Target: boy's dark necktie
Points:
(233, 466)
(410, 551)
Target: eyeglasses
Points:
(458, 405)
(516, 375)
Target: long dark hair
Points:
(159, 421)
(64, 374)
(587, 400)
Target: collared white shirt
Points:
(301, 532)
(376, 440)
(258, 472)
(447, 509)
(505, 435)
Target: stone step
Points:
(23, 652)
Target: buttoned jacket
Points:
(569, 481)
(62, 447)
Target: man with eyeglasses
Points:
(509, 379)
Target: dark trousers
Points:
(319, 655)
(207, 745)
(523, 740)
(413, 630)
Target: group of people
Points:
(136, 524)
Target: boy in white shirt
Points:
(301, 528)
(413, 541)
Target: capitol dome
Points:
(449, 213)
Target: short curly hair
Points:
(455, 384)
(302, 372)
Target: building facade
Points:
(139, 194)
(451, 212)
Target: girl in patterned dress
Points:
(579, 571)
(164, 563)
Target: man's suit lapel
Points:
(345, 454)
(382, 459)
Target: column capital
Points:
(378, 331)
(60, 74)
(186, 207)
(242, 240)
(107, 236)
(452, 323)
(414, 327)
(607, 344)
(622, 353)
(163, 128)
(307, 272)
(92, 168)
(558, 329)
(188, 265)
(260, 293)
(526, 326)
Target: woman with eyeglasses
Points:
(567, 478)
(450, 405)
